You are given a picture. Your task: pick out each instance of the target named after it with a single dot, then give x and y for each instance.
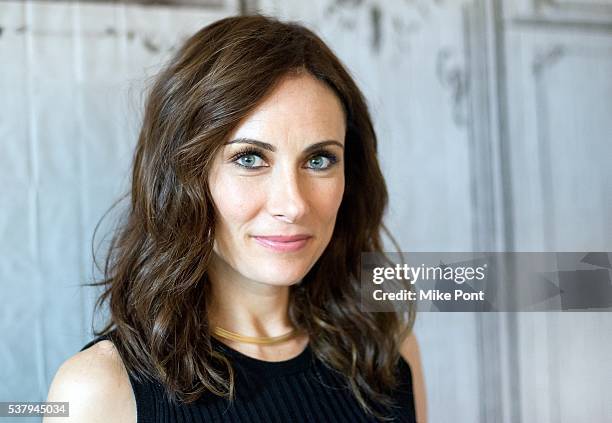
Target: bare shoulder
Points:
(410, 351)
(96, 385)
(410, 348)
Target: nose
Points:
(286, 198)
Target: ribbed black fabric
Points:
(301, 389)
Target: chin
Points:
(281, 276)
(281, 269)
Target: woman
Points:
(233, 284)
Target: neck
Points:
(244, 306)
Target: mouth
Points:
(283, 243)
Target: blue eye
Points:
(319, 162)
(322, 161)
(249, 160)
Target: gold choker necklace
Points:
(265, 340)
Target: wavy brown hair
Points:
(155, 273)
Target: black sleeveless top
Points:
(301, 389)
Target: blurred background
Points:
(495, 127)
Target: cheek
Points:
(237, 200)
(327, 198)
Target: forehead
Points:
(299, 109)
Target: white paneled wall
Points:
(559, 76)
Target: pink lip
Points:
(283, 243)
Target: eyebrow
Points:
(270, 147)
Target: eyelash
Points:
(333, 159)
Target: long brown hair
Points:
(155, 273)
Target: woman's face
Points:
(277, 184)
